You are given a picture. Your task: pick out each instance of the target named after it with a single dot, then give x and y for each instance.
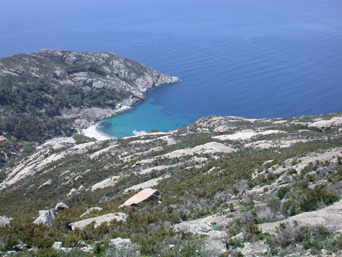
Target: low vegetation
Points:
(248, 187)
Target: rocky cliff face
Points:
(122, 77)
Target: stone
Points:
(4, 221)
(72, 191)
(105, 183)
(329, 217)
(238, 237)
(147, 194)
(57, 246)
(90, 210)
(120, 243)
(61, 206)
(118, 216)
(333, 122)
(204, 225)
(194, 226)
(146, 184)
(19, 247)
(47, 183)
(259, 248)
(214, 247)
(46, 218)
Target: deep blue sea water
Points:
(265, 58)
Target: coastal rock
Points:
(117, 75)
(148, 194)
(118, 216)
(61, 206)
(46, 218)
(4, 221)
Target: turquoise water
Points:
(267, 58)
(147, 116)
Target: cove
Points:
(259, 59)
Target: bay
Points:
(267, 58)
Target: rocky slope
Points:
(124, 78)
(222, 186)
(55, 92)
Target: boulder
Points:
(46, 218)
(118, 216)
(120, 243)
(72, 191)
(4, 221)
(57, 246)
(147, 194)
(61, 206)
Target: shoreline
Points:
(93, 131)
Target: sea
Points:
(248, 58)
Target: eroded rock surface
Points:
(119, 216)
(46, 218)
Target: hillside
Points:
(222, 186)
(51, 93)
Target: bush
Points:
(314, 198)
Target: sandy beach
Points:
(93, 132)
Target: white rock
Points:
(72, 191)
(146, 184)
(105, 183)
(255, 249)
(119, 216)
(46, 218)
(4, 221)
(57, 246)
(90, 210)
(61, 206)
(47, 183)
(120, 243)
(333, 122)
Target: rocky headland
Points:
(222, 186)
(124, 78)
